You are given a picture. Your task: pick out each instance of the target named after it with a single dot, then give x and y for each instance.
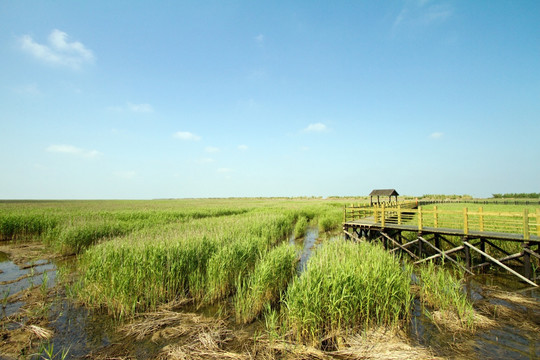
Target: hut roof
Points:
(384, 192)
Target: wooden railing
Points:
(526, 222)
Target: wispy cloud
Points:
(135, 108)
(422, 12)
(29, 89)
(436, 135)
(242, 147)
(259, 39)
(211, 149)
(73, 150)
(317, 127)
(58, 51)
(224, 170)
(186, 135)
(140, 108)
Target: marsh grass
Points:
(300, 227)
(347, 287)
(25, 226)
(228, 264)
(200, 259)
(265, 284)
(442, 291)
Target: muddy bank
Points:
(44, 318)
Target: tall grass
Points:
(125, 279)
(200, 259)
(300, 227)
(441, 290)
(13, 226)
(228, 264)
(346, 287)
(265, 284)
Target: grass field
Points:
(137, 255)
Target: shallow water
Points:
(83, 331)
(504, 342)
(308, 244)
(16, 278)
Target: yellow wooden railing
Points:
(526, 222)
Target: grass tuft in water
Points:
(441, 290)
(347, 287)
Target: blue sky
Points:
(169, 99)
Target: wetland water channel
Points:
(84, 331)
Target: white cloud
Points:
(59, 50)
(211, 149)
(224, 170)
(186, 135)
(242, 147)
(259, 39)
(436, 135)
(317, 127)
(73, 150)
(140, 108)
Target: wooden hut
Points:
(382, 192)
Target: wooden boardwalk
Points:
(471, 240)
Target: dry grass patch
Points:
(376, 344)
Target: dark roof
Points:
(384, 192)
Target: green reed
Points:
(440, 289)
(300, 227)
(266, 283)
(346, 287)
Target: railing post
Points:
(435, 217)
(481, 219)
(538, 222)
(383, 215)
(399, 214)
(420, 219)
(526, 234)
(465, 222)
(375, 214)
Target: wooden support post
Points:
(437, 241)
(527, 266)
(468, 260)
(526, 235)
(383, 216)
(500, 264)
(481, 219)
(435, 217)
(420, 246)
(399, 214)
(399, 246)
(483, 247)
(444, 254)
(465, 222)
(375, 214)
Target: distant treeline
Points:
(446, 197)
(517, 196)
